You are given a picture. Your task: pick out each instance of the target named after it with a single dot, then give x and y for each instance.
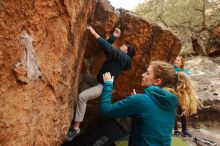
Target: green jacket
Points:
(177, 69)
(153, 114)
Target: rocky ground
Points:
(202, 133)
(205, 74)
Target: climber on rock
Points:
(118, 60)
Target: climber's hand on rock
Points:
(93, 32)
(117, 32)
(91, 29)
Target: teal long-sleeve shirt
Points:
(152, 113)
(177, 69)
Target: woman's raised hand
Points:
(107, 77)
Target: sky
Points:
(125, 4)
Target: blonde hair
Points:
(181, 83)
(185, 93)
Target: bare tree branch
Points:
(198, 10)
(203, 14)
(161, 19)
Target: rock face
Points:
(151, 43)
(44, 50)
(41, 58)
(213, 48)
(205, 75)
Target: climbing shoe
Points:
(177, 133)
(186, 133)
(72, 133)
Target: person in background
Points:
(187, 100)
(179, 64)
(118, 60)
(152, 113)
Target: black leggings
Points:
(180, 111)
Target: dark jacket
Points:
(116, 61)
(153, 114)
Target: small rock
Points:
(20, 72)
(215, 94)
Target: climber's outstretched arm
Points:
(93, 32)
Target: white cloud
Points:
(125, 4)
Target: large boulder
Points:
(44, 50)
(41, 58)
(205, 75)
(151, 42)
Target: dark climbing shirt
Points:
(116, 61)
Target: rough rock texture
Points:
(151, 43)
(150, 40)
(205, 75)
(213, 48)
(43, 47)
(202, 133)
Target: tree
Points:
(191, 20)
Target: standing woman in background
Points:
(187, 100)
(179, 64)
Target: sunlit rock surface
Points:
(205, 74)
(45, 51)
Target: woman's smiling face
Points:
(178, 62)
